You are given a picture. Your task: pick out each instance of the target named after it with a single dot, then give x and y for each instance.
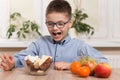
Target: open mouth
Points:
(57, 33)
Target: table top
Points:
(20, 74)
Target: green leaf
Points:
(14, 15)
(26, 27)
(23, 35)
(9, 35)
(80, 27)
(18, 34)
(26, 31)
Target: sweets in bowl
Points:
(37, 66)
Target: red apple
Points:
(90, 62)
(103, 70)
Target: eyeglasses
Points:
(59, 24)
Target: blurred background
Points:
(103, 16)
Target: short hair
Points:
(59, 6)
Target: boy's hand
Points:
(62, 65)
(7, 62)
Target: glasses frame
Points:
(56, 24)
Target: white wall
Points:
(4, 17)
(25, 7)
(104, 16)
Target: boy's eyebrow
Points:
(60, 20)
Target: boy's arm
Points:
(92, 52)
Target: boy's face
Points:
(58, 25)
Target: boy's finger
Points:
(4, 66)
(1, 66)
(4, 57)
(11, 58)
(10, 61)
(0, 60)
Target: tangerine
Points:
(75, 66)
(83, 71)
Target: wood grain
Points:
(20, 74)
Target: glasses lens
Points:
(60, 24)
(50, 24)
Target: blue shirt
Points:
(67, 50)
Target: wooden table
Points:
(20, 74)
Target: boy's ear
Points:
(70, 23)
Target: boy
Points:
(59, 45)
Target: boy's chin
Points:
(57, 40)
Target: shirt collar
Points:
(66, 40)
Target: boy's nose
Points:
(55, 27)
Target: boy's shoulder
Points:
(44, 38)
(78, 40)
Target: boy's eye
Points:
(50, 23)
(60, 23)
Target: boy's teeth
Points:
(58, 33)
